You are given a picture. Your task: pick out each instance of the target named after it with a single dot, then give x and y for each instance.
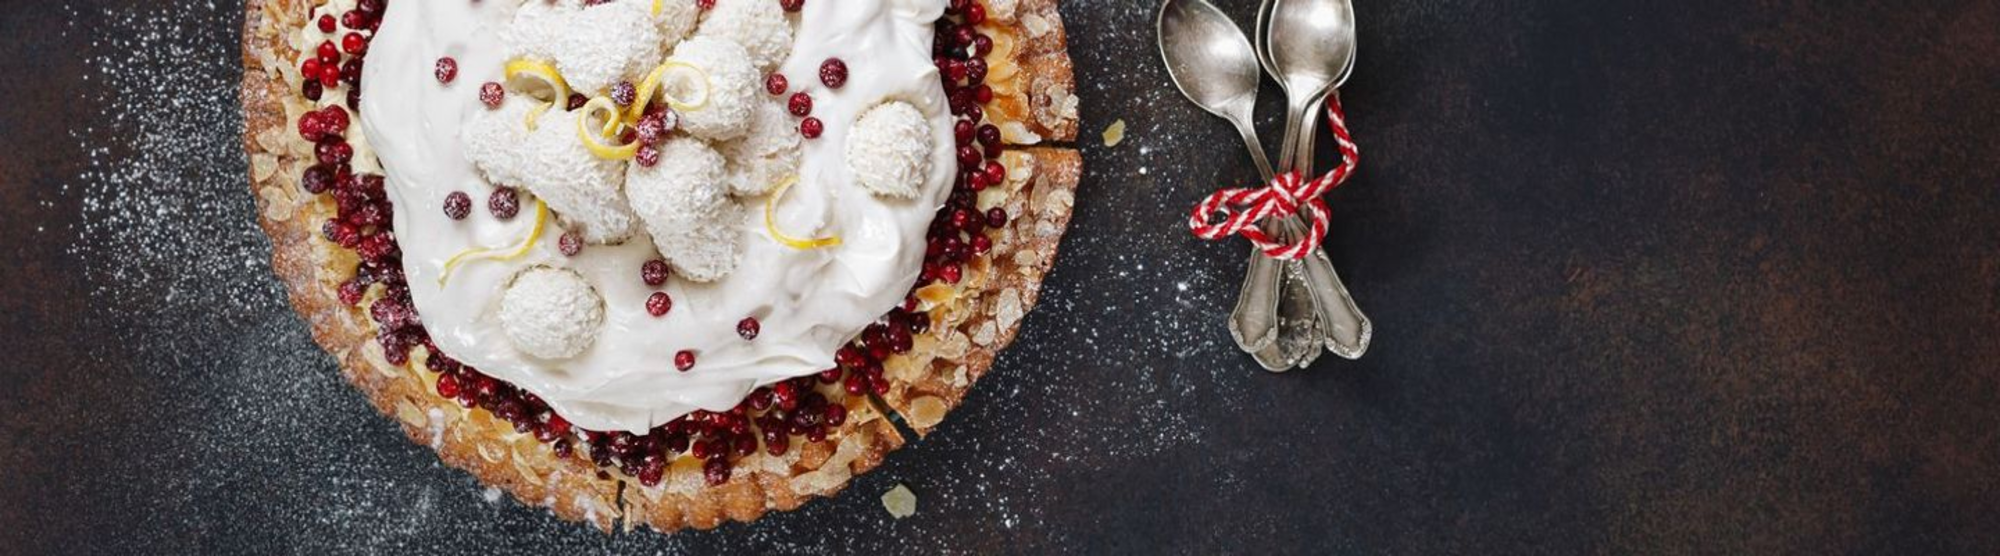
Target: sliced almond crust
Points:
(1040, 191)
(981, 316)
(1034, 85)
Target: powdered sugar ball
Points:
(552, 162)
(732, 86)
(551, 314)
(603, 44)
(759, 25)
(889, 150)
(536, 28)
(687, 209)
(769, 153)
(493, 139)
(676, 19)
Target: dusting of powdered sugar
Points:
(264, 448)
(163, 191)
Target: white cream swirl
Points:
(808, 302)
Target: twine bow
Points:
(1287, 194)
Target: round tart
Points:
(661, 262)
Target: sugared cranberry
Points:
(834, 415)
(335, 119)
(351, 292)
(833, 73)
(328, 53)
(350, 71)
(447, 386)
(654, 272)
(648, 156)
(962, 132)
(975, 70)
(792, 5)
(624, 93)
(785, 396)
(354, 44)
(505, 203)
(341, 233)
(704, 5)
(309, 69)
(995, 172)
(652, 128)
(457, 207)
(776, 84)
(684, 360)
(447, 69)
(312, 127)
(659, 304)
(776, 444)
(331, 151)
(801, 104)
(900, 340)
(329, 75)
(570, 244)
(491, 94)
(652, 470)
(811, 127)
(748, 328)
(716, 471)
(316, 180)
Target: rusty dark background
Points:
(1709, 276)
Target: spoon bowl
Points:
(1213, 64)
(1310, 42)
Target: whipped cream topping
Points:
(808, 302)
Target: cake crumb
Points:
(900, 502)
(1115, 134)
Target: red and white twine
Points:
(1287, 194)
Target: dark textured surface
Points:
(1683, 277)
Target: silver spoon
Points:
(1215, 66)
(1308, 46)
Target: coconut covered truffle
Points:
(551, 314)
(759, 25)
(552, 163)
(686, 208)
(769, 153)
(536, 28)
(603, 44)
(889, 150)
(676, 18)
(732, 85)
(493, 140)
